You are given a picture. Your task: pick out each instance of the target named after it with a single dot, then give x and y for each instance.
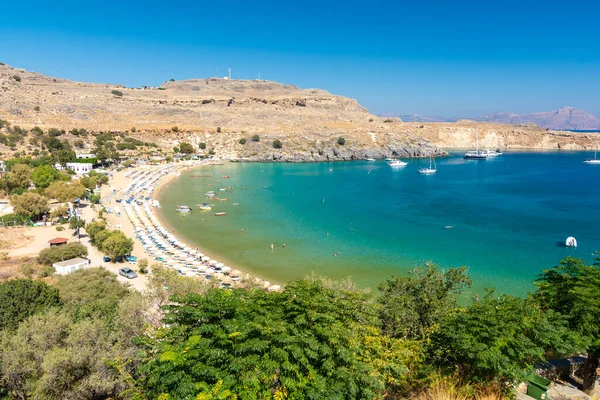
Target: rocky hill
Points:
(221, 112)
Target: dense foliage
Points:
(64, 252)
(114, 243)
(22, 298)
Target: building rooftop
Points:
(72, 261)
(58, 240)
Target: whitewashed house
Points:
(72, 265)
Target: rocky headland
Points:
(226, 115)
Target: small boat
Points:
(431, 169)
(571, 242)
(224, 199)
(389, 159)
(476, 154)
(184, 209)
(225, 176)
(370, 159)
(205, 207)
(397, 163)
(210, 194)
(222, 189)
(220, 214)
(592, 161)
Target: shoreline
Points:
(168, 179)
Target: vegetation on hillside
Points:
(89, 336)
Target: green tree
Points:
(412, 305)
(22, 298)
(202, 146)
(307, 342)
(341, 141)
(573, 289)
(64, 252)
(498, 339)
(65, 191)
(30, 203)
(117, 245)
(19, 177)
(242, 141)
(277, 144)
(186, 148)
(75, 223)
(43, 176)
(256, 138)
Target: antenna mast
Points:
(229, 70)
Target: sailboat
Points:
(430, 170)
(475, 155)
(594, 161)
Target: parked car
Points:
(131, 259)
(106, 259)
(127, 273)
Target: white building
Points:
(85, 155)
(79, 168)
(72, 265)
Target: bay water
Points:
(505, 218)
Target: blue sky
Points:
(453, 59)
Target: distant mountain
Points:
(565, 118)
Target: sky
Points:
(429, 57)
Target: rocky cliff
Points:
(221, 112)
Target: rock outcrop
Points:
(221, 112)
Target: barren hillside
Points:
(220, 112)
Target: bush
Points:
(36, 108)
(212, 152)
(277, 144)
(388, 121)
(117, 93)
(341, 141)
(256, 138)
(202, 145)
(143, 266)
(60, 229)
(61, 253)
(242, 141)
(186, 148)
(175, 129)
(22, 298)
(218, 129)
(370, 119)
(17, 78)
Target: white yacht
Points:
(475, 155)
(491, 153)
(594, 160)
(397, 163)
(432, 168)
(184, 209)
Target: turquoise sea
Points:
(505, 218)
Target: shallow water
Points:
(505, 218)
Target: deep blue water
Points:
(509, 217)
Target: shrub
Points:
(186, 148)
(175, 129)
(242, 141)
(36, 108)
(277, 144)
(341, 141)
(117, 93)
(202, 145)
(61, 253)
(60, 229)
(172, 80)
(212, 152)
(256, 138)
(218, 129)
(143, 266)
(17, 78)
(370, 119)
(387, 121)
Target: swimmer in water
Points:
(272, 246)
(284, 245)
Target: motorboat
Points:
(491, 153)
(220, 214)
(205, 207)
(571, 242)
(592, 161)
(397, 163)
(184, 209)
(475, 154)
(432, 168)
(370, 159)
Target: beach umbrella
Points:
(225, 269)
(266, 284)
(213, 262)
(275, 288)
(235, 272)
(219, 265)
(205, 258)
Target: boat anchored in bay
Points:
(431, 169)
